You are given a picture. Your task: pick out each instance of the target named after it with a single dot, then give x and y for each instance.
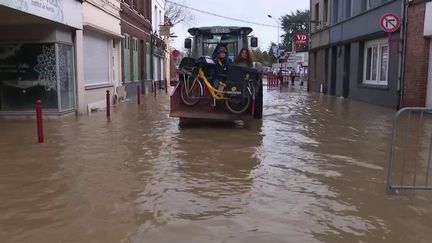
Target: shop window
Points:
(28, 72)
(66, 77)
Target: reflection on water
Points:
(312, 171)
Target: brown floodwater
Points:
(313, 170)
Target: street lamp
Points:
(278, 43)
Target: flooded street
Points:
(312, 170)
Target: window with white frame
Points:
(376, 62)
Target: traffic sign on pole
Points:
(390, 22)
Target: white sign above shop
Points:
(54, 10)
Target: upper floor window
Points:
(325, 12)
(142, 7)
(365, 5)
(349, 8)
(156, 19)
(335, 11)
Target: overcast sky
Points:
(250, 10)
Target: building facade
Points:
(360, 63)
(319, 46)
(37, 55)
(99, 54)
(158, 43)
(417, 81)
(428, 35)
(136, 29)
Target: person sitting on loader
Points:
(244, 58)
(222, 62)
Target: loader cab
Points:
(206, 40)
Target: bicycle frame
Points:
(215, 93)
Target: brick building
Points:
(136, 29)
(319, 46)
(417, 85)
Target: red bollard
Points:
(108, 105)
(39, 123)
(138, 94)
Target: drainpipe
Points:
(151, 58)
(402, 55)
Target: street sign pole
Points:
(390, 23)
(389, 44)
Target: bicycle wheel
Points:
(190, 92)
(240, 104)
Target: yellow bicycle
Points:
(238, 94)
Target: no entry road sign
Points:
(390, 22)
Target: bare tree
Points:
(177, 13)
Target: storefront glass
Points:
(66, 77)
(29, 72)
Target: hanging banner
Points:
(165, 30)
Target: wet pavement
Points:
(312, 170)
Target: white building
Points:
(99, 53)
(158, 19)
(428, 34)
(65, 53)
(37, 55)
